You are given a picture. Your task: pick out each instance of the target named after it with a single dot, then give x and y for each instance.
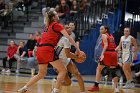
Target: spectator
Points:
(63, 11)
(37, 36)
(30, 44)
(2, 7)
(20, 6)
(4, 14)
(21, 54)
(32, 62)
(83, 5)
(70, 3)
(51, 3)
(74, 10)
(10, 56)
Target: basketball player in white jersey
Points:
(63, 50)
(128, 54)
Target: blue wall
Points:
(89, 42)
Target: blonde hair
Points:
(49, 17)
(47, 21)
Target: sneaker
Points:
(129, 85)
(53, 83)
(116, 90)
(137, 74)
(93, 88)
(8, 71)
(17, 71)
(54, 90)
(3, 70)
(22, 90)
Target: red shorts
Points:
(110, 58)
(45, 54)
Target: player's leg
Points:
(33, 80)
(73, 69)
(98, 78)
(128, 74)
(127, 60)
(61, 74)
(115, 79)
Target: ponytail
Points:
(47, 21)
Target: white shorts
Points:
(66, 62)
(127, 57)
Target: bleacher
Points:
(19, 29)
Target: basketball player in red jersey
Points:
(108, 58)
(46, 53)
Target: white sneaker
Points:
(54, 91)
(116, 90)
(17, 71)
(137, 74)
(22, 90)
(53, 83)
(8, 71)
(3, 70)
(129, 85)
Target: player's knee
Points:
(99, 69)
(61, 75)
(113, 73)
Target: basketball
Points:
(82, 57)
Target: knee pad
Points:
(105, 71)
(113, 72)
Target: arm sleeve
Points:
(58, 27)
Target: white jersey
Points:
(126, 44)
(61, 45)
(127, 55)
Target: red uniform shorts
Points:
(110, 58)
(45, 54)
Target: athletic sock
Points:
(25, 87)
(130, 81)
(55, 90)
(96, 84)
(83, 92)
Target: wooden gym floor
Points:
(11, 83)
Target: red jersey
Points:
(52, 36)
(110, 52)
(111, 42)
(11, 51)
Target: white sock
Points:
(55, 90)
(25, 87)
(83, 92)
